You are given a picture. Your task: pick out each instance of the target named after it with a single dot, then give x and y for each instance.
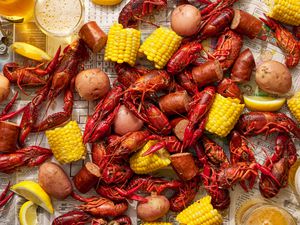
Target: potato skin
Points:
(54, 180)
(92, 84)
(273, 77)
(4, 87)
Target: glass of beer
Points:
(58, 18)
(22, 8)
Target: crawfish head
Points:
(116, 173)
(228, 88)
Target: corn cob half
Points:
(160, 46)
(294, 105)
(223, 115)
(66, 143)
(122, 44)
(150, 163)
(286, 11)
(200, 212)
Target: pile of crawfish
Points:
(181, 97)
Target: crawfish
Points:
(116, 173)
(4, 198)
(285, 41)
(184, 196)
(199, 107)
(170, 143)
(228, 88)
(254, 123)
(134, 10)
(29, 76)
(185, 80)
(185, 55)
(29, 156)
(228, 49)
(99, 123)
(75, 217)
(284, 157)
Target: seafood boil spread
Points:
(172, 102)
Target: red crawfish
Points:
(99, 123)
(114, 173)
(29, 76)
(75, 217)
(101, 207)
(254, 123)
(4, 198)
(184, 196)
(185, 55)
(209, 174)
(135, 10)
(228, 48)
(199, 107)
(29, 156)
(170, 143)
(285, 41)
(228, 88)
(285, 155)
(185, 80)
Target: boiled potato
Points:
(54, 180)
(4, 87)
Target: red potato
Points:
(54, 180)
(93, 36)
(246, 24)
(125, 121)
(175, 103)
(4, 87)
(208, 72)
(8, 142)
(243, 66)
(178, 127)
(156, 207)
(186, 20)
(273, 77)
(92, 84)
(87, 177)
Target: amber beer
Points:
(22, 8)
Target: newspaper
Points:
(105, 16)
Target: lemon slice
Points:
(34, 192)
(30, 51)
(260, 103)
(27, 214)
(14, 19)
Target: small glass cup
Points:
(260, 212)
(59, 18)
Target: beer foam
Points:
(58, 16)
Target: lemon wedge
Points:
(34, 192)
(30, 51)
(261, 103)
(27, 214)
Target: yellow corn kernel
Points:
(66, 143)
(160, 46)
(294, 105)
(200, 212)
(286, 11)
(150, 163)
(122, 44)
(223, 115)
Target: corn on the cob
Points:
(223, 115)
(66, 143)
(157, 223)
(147, 164)
(294, 105)
(107, 2)
(160, 46)
(200, 212)
(122, 44)
(286, 11)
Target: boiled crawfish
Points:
(185, 80)
(134, 10)
(228, 88)
(75, 217)
(29, 156)
(279, 163)
(285, 41)
(254, 123)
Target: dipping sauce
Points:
(58, 17)
(294, 179)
